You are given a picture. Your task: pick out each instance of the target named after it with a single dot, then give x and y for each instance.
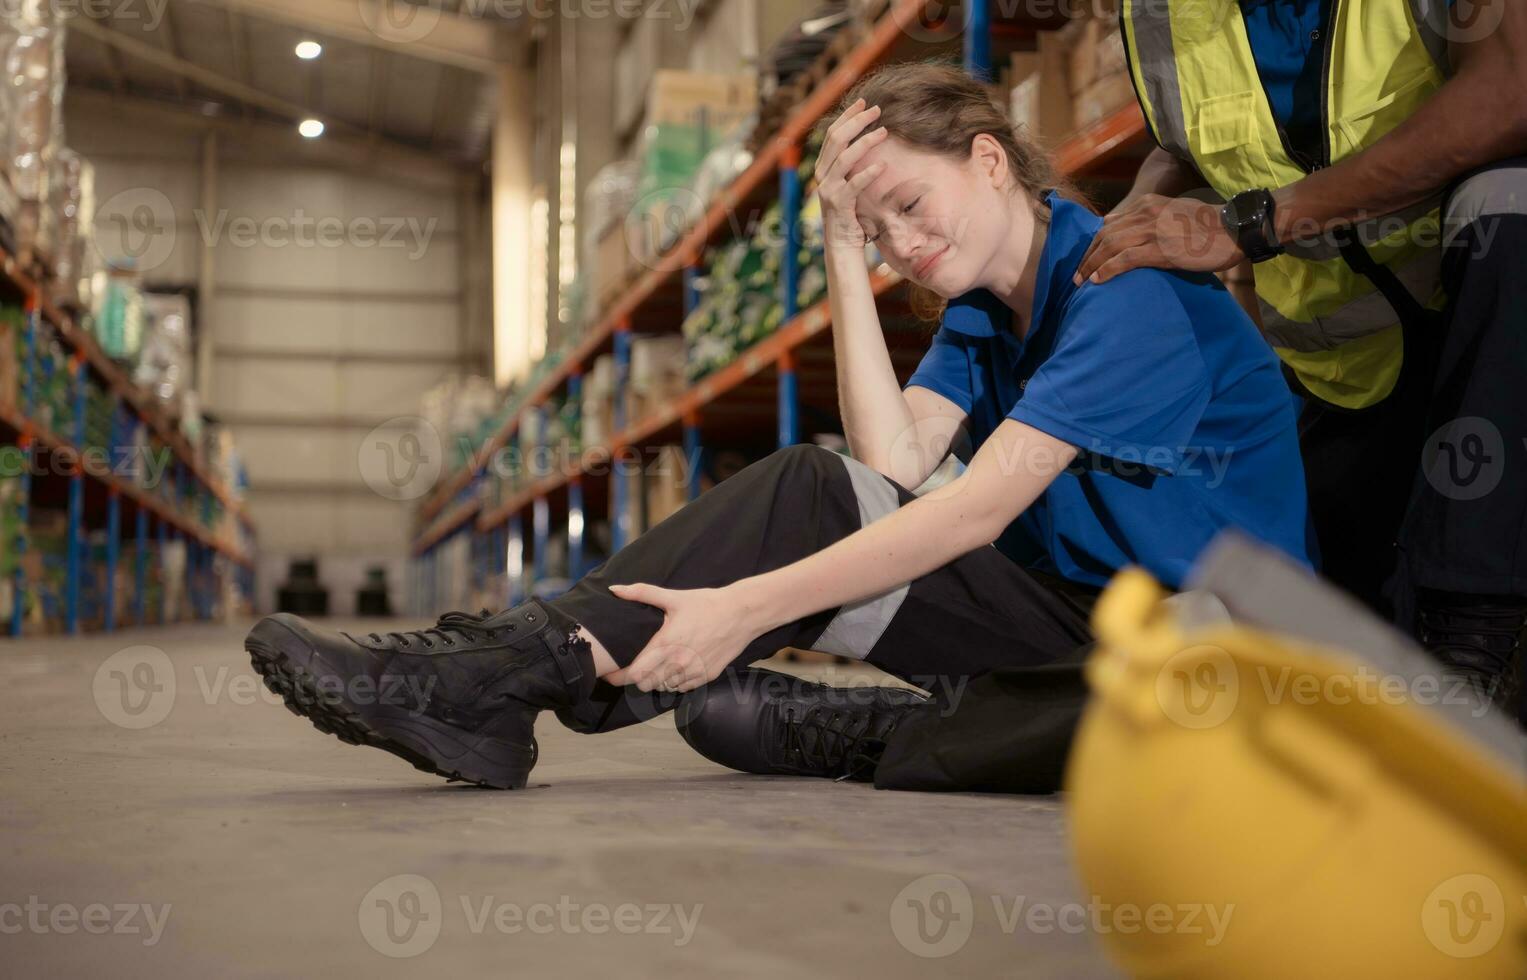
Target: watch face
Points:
(1247, 210)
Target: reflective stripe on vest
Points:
(1202, 96)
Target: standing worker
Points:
(1369, 152)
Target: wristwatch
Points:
(1248, 216)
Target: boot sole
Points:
(425, 743)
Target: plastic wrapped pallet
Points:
(455, 410)
(722, 165)
(164, 364)
(607, 200)
(223, 457)
(9, 202)
(190, 415)
(173, 558)
(606, 254)
(598, 401)
(34, 71)
(74, 195)
(656, 362)
(614, 264)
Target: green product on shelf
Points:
(119, 320)
(12, 530)
(670, 154)
(570, 420)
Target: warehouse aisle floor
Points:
(222, 836)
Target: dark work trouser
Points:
(979, 613)
(1428, 489)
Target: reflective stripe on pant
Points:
(1466, 526)
(973, 614)
(1428, 488)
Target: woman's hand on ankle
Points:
(703, 631)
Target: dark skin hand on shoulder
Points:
(1477, 117)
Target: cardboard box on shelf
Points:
(677, 97)
(657, 362)
(1096, 51)
(633, 484)
(613, 262)
(667, 479)
(9, 364)
(688, 114)
(1020, 65)
(643, 404)
(1041, 102)
(1110, 50)
(1102, 97)
(657, 374)
(597, 409)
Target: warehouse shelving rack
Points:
(97, 500)
(721, 404)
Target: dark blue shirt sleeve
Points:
(945, 369)
(1126, 379)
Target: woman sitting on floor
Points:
(1104, 425)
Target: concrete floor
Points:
(197, 828)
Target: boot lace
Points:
(834, 739)
(1487, 635)
(448, 629)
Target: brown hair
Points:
(936, 106)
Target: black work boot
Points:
(765, 722)
(1479, 640)
(458, 699)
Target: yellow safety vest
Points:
(1203, 99)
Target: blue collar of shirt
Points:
(979, 313)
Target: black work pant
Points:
(946, 631)
(1428, 488)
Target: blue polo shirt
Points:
(1184, 423)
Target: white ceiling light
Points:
(311, 128)
(308, 50)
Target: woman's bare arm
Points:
(884, 430)
(903, 435)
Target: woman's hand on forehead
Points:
(838, 184)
